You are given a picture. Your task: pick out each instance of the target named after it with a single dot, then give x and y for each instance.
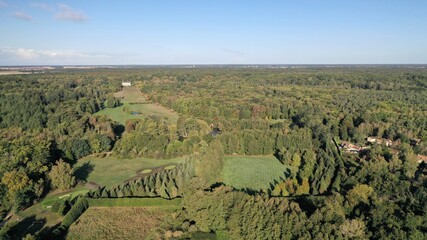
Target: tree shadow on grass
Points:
(52, 232)
(82, 172)
(28, 225)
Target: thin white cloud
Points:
(232, 51)
(66, 13)
(42, 6)
(10, 56)
(28, 53)
(22, 16)
(3, 4)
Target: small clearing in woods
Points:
(252, 172)
(136, 106)
(110, 171)
(131, 95)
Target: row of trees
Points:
(153, 137)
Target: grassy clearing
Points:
(120, 223)
(32, 220)
(147, 109)
(130, 94)
(141, 106)
(110, 171)
(51, 198)
(252, 172)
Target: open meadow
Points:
(35, 219)
(252, 172)
(134, 106)
(111, 171)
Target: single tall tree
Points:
(61, 175)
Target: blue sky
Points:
(213, 32)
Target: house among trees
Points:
(350, 147)
(376, 140)
(126, 84)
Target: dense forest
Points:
(353, 140)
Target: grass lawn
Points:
(130, 94)
(147, 109)
(252, 172)
(120, 223)
(52, 197)
(110, 171)
(133, 95)
(31, 220)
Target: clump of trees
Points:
(41, 121)
(61, 176)
(112, 102)
(153, 137)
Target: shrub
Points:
(55, 206)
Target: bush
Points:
(55, 206)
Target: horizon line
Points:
(220, 64)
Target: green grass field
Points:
(72, 193)
(133, 95)
(130, 94)
(32, 220)
(252, 172)
(147, 109)
(110, 171)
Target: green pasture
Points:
(145, 109)
(134, 101)
(110, 171)
(252, 172)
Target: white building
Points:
(380, 141)
(126, 84)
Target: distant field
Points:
(252, 172)
(109, 171)
(12, 72)
(143, 108)
(120, 223)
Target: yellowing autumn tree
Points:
(61, 175)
